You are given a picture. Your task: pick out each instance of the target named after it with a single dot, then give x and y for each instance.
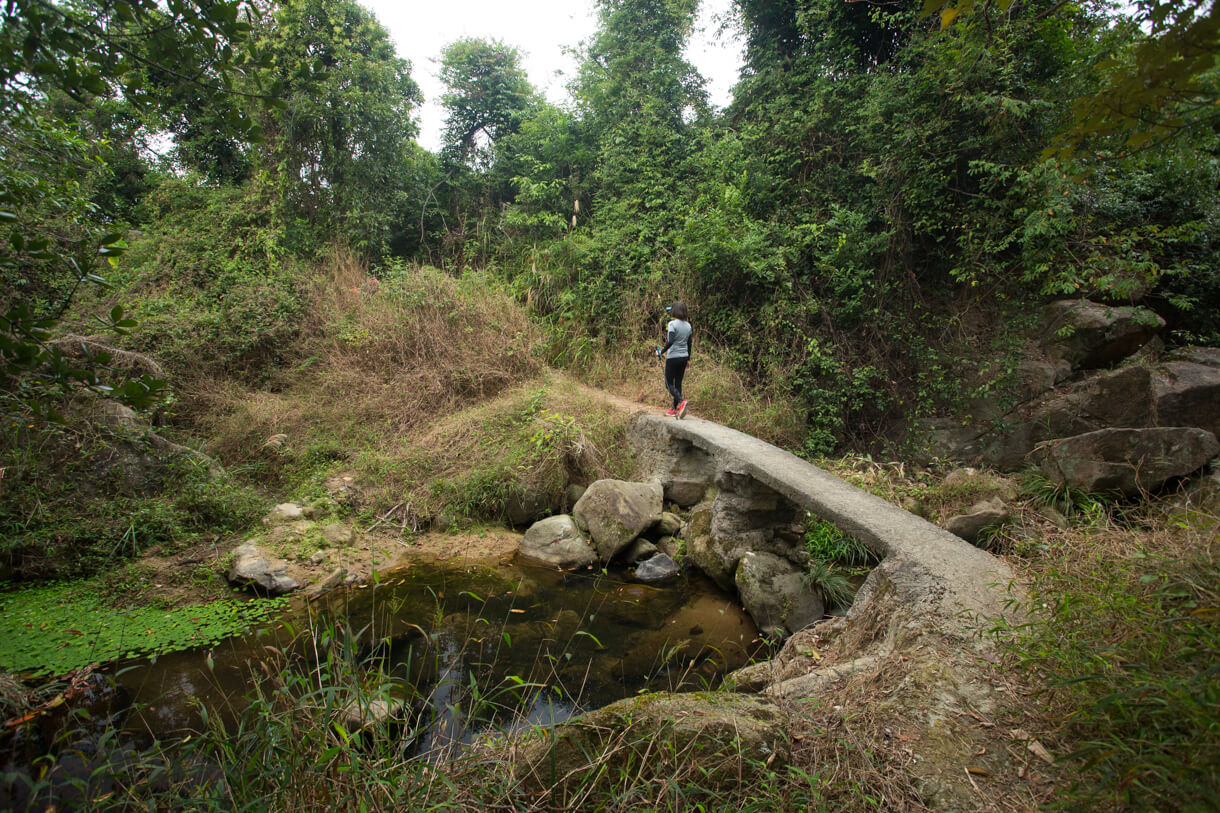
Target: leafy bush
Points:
(210, 283)
(826, 542)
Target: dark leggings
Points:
(675, 369)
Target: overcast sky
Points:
(544, 31)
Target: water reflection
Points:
(466, 649)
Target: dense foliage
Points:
(877, 169)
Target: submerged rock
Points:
(363, 712)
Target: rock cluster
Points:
(1102, 408)
(613, 520)
(743, 535)
(255, 565)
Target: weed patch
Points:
(1130, 650)
(54, 629)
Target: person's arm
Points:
(670, 337)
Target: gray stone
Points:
(1207, 356)
(1120, 397)
(981, 483)
(657, 568)
(1089, 335)
(253, 567)
(774, 592)
(639, 550)
(1186, 393)
(363, 712)
(1036, 376)
(982, 515)
(333, 580)
(524, 506)
(287, 512)
(947, 439)
(573, 493)
(615, 512)
(1127, 461)
(558, 542)
(685, 491)
(1054, 516)
(688, 475)
(670, 546)
(668, 525)
(339, 534)
(317, 558)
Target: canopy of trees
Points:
(877, 164)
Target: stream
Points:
(468, 649)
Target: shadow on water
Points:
(468, 650)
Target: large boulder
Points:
(746, 516)
(253, 567)
(1186, 392)
(735, 736)
(615, 512)
(1089, 335)
(775, 594)
(1127, 461)
(557, 541)
(1120, 397)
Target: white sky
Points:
(543, 30)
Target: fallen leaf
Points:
(1041, 753)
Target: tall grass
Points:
(308, 738)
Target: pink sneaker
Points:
(682, 409)
(671, 412)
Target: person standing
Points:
(677, 351)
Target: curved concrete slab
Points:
(929, 570)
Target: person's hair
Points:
(678, 311)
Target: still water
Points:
(467, 649)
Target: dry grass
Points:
(382, 357)
(529, 442)
(714, 389)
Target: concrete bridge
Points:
(760, 489)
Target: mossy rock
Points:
(717, 735)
